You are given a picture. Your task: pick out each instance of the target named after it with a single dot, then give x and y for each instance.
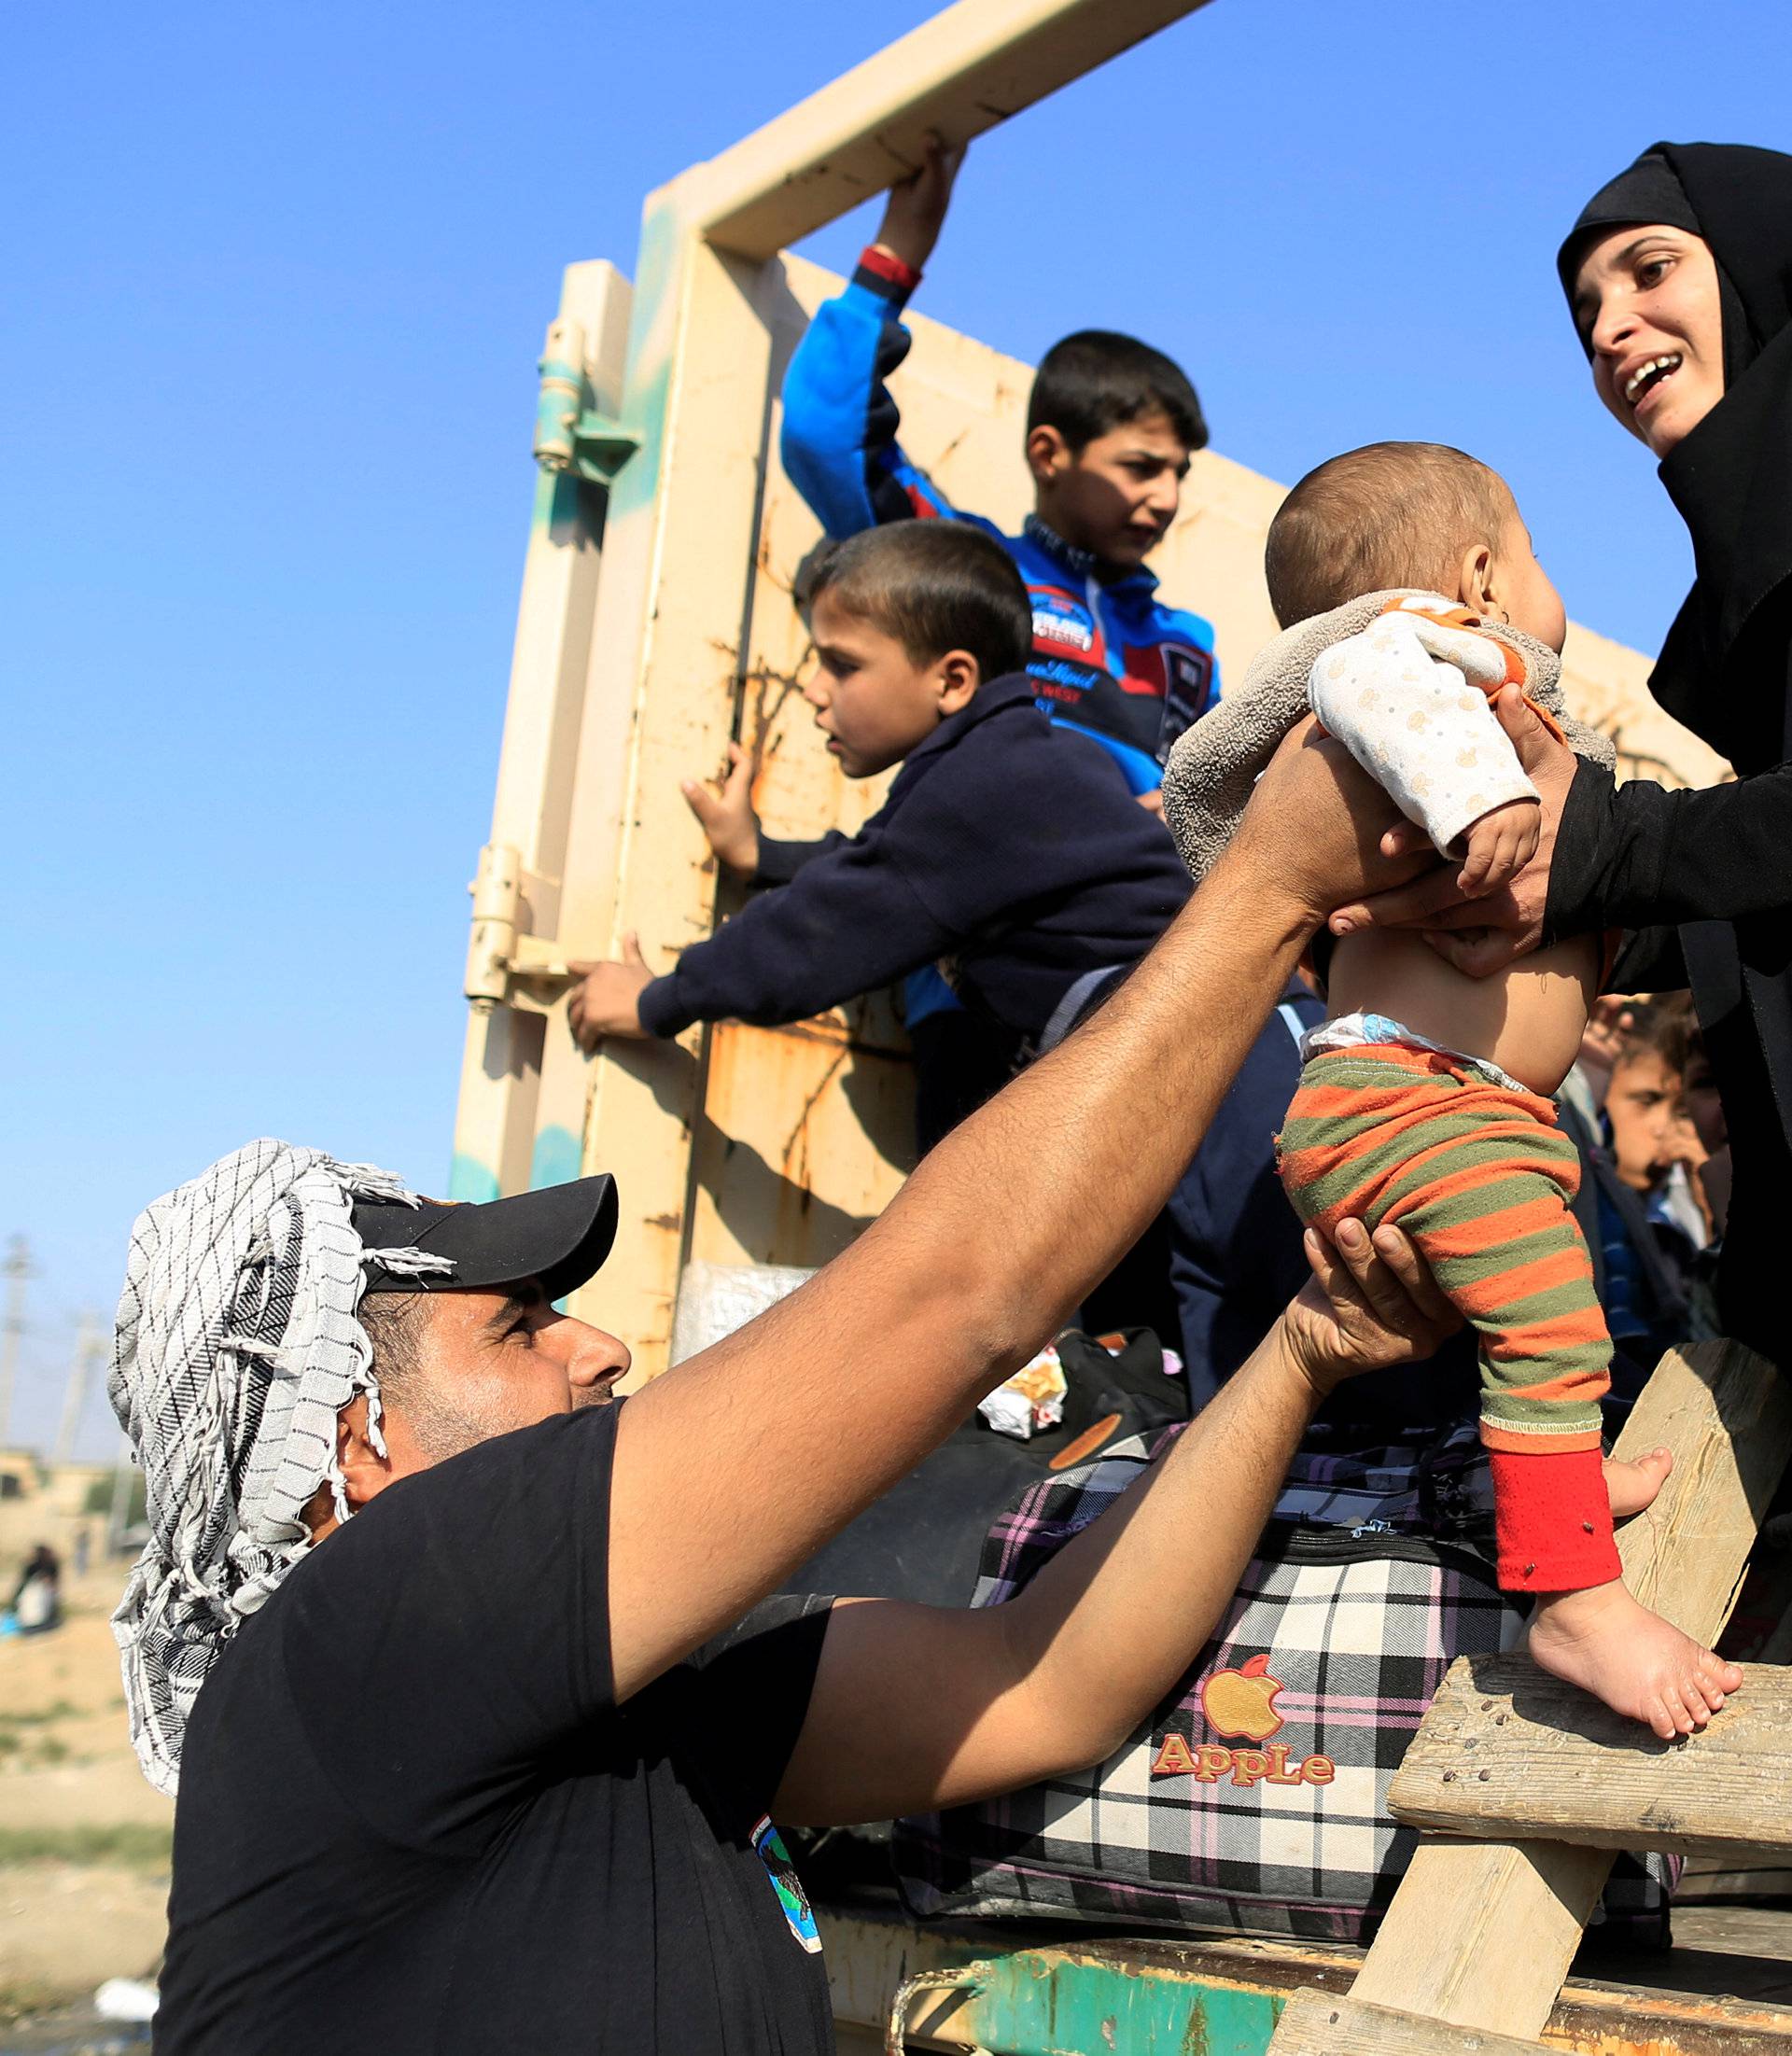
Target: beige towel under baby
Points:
(1213, 766)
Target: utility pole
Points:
(16, 1270)
(87, 1351)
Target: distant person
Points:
(1413, 603)
(1641, 1301)
(1707, 1155)
(37, 1597)
(1652, 1255)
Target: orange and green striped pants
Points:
(1481, 1176)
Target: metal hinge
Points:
(570, 434)
(505, 965)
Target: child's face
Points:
(1118, 493)
(1643, 1104)
(872, 701)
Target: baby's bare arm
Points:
(1499, 846)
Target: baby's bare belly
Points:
(1527, 1019)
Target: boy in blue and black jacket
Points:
(1007, 848)
(1111, 425)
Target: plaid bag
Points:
(1255, 1799)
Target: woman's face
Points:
(1646, 302)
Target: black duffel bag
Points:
(923, 1539)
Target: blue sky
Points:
(275, 281)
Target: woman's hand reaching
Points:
(1371, 1302)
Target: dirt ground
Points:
(83, 1840)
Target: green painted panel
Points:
(647, 382)
(470, 1180)
(556, 511)
(1067, 2006)
(557, 1159)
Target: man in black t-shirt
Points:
(477, 1719)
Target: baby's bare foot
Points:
(1632, 1486)
(1610, 1644)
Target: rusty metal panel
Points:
(1012, 1991)
(805, 1134)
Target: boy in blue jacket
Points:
(1007, 848)
(1111, 425)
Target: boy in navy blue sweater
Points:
(1010, 849)
(1111, 425)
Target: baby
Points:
(1425, 1097)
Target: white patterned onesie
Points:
(1411, 697)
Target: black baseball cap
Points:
(559, 1235)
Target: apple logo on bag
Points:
(1240, 1704)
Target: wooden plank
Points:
(1510, 1753)
(1318, 2023)
(1481, 1934)
(961, 72)
(1743, 1952)
(1727, 1415)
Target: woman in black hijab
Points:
(1680, 277)
(1679, 274)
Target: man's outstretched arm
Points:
(736, 1467)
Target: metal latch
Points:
(570, 434)
(505, 965)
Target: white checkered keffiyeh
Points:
(237, 1346)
